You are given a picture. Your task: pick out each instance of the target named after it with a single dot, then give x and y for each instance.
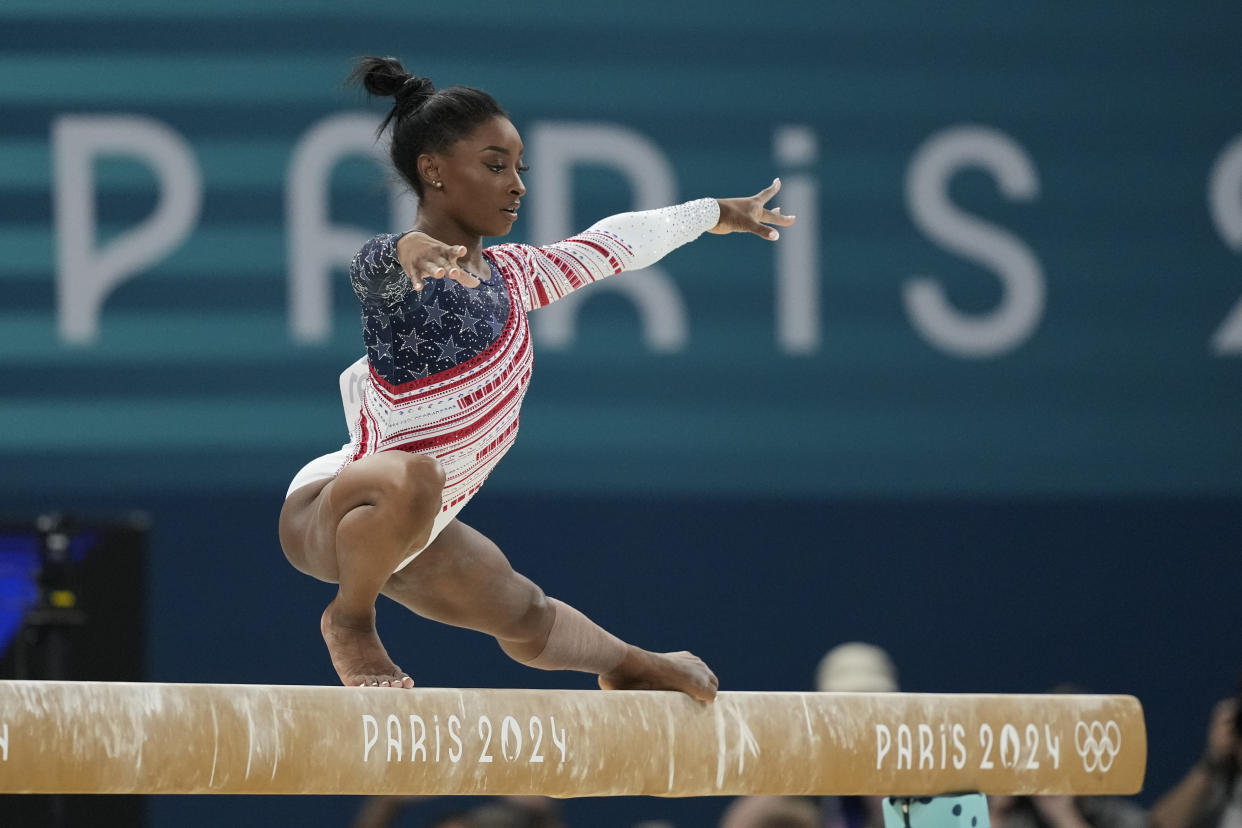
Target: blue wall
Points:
(1033, 478)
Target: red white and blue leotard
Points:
(447, 367)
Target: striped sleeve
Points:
(627, 241)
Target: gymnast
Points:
(448, 360)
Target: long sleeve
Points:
(376, 275)
(627, 241)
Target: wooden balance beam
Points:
(113, 737)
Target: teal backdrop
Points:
(979, 405)
(1067, 178)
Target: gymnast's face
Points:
(481, 179)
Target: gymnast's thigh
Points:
(311, 513)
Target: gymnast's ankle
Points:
(340, 614)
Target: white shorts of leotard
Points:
(327, 466)
(321, 468)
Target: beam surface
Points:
(113, 737)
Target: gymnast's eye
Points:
(522, 168)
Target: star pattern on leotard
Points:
(449, 350)
(383, 350)
(433, 313)
(411, 335)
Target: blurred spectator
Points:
(855, 667)
(1065, 812)
(512, 812)
(504, 812)
(544, 811)
(382, 811)
(770, 812)
(1209, 796)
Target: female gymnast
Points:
(448, 361)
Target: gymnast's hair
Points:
(423, 118)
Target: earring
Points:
(438, 184)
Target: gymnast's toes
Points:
(402, 682)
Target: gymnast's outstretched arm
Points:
(630, 241)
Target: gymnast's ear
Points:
(429, 170)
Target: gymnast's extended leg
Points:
(464, 579)
(353, 531)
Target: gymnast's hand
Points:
(422, 258)
(749, 215)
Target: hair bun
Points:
(387, 78)
(413, 92)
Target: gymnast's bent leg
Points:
(463, 579)
(354, 530)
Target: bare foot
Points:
(641, 670)
(357, 652)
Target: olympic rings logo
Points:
(1098, 744)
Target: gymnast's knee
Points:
(417, 481)
(532, 621)
(404, 483)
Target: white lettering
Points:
(959, 746)
(1010, 746)
(926, 741)
(1225, 205)
(315, 245)
(555, 149)
(905, 750)
(883, 744)
(418, 735)
(1053, 741)
(943, 745)
(394, 741)
(454, 729)
(487, 739)
(1032, 743)
(85, 274)
(4, 743)
(509, 734)
(560, 743)
(508, 726)
(370, 735)
(536, 733)
(797, 255)
(986, 740)
(1022, 301)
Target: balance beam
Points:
(113, 737)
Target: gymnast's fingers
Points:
(776, 217)
(762, 230)
(463, 277)
(765, 195)
(428, 272)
